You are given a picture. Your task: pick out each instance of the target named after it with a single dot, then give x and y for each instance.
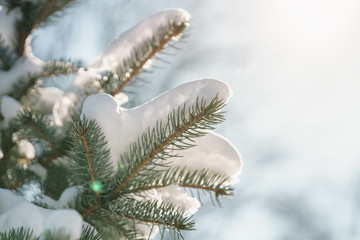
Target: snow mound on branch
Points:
(26, 149)
(74, 92)
(123, 126)
(121, 48)
(21, 68)
(67, 197)
(36, 218)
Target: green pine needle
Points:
(55, 68)
(18, 234)
(157, 144)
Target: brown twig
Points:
(90, 210)
(83, 138)
(137, 70)
(42, 135)
(157, 150)
(218, 191)
(17, 184)
(146, 220)
(47, 162)
(45, 13)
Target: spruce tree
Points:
(99, 170)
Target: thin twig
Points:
(157, 150)
(137, 70)
(45, 13)
(42, 135)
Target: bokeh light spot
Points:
(96, 186)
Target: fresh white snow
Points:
(16, 212)
(26, 149)
(67, 197)
(120, 49)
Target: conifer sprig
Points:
(7, 56)
(114, 83)
(177, 133)
(152, 212)
(16, 234)
(89, 156)
(38, 128)
(89, 233)
(50, 69)
(34, 13)
(116, 227)
(41, 130)
(6, 145)
(204, 179)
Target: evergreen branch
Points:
(152, 212)
(16, 234)
(40, 133)
(119, 225)
(183, 124)
(45, 14)
(17, 184)
(177, 29)
(6, 145)
(197, 179)
(89, 233)
(39, 129)
(49, 160)
(89, 155)
(18, 176)
(56, 181)
(82, 136)
(90, 210)
(34, 13)
(7, 56)
(56, 234)
(51, 69)
(139, 57)
(11, 4)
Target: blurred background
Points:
(294, 69)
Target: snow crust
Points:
(121, 48)
(16, 212)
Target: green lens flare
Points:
(96, 186)
(122, 166)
